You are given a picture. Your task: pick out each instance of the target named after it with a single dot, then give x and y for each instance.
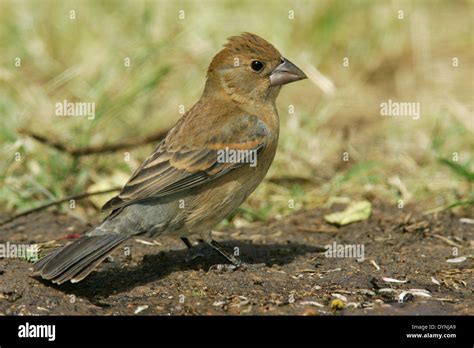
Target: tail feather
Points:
(76, 260)
(85, 272)
(83, 267)
(44, 260)
(75, 252)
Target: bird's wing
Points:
(180, 163)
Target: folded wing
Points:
(179, 163)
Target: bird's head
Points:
(249, 68)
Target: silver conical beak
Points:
(285, 73)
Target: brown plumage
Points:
(184, 187)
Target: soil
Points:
(287, 272)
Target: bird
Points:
(209, 162)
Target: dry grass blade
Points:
(93, 150)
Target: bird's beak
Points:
(285, 73)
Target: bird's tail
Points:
(75, 261)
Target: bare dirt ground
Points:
(289, 273)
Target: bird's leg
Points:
(231, 258)
(235, 262)
(187, 242)
(190, 245)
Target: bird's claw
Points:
(221, 268)
(243, 266)
(248, 266)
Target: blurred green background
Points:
(336, 110)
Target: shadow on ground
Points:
(159, 266)
(288, 274)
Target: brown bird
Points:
(211, 160)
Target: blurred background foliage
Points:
(390, 158)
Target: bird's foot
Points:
(251, 266)
(243, 266)
(223, 267)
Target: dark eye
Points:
(257, 65)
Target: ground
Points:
(288, 272)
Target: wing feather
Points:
(170, 170)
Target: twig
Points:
(91, 150)
(288, 179)
(316, 229)
(57, 202)
(447, 240)
(448, 206)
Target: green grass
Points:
(461, 170)
(83, 60)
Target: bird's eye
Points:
(257, 65)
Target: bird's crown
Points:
(246, 44)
